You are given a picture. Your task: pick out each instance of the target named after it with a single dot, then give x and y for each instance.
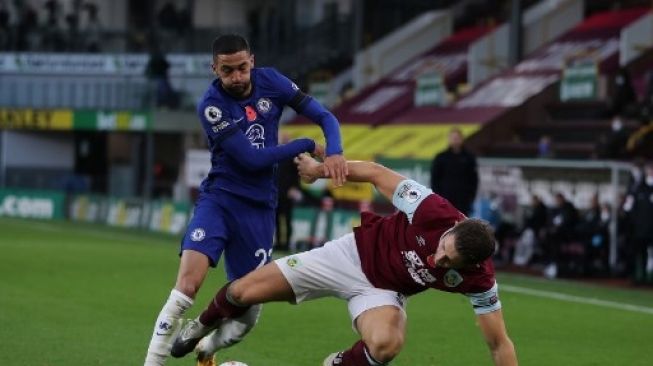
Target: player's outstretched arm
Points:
(251, 158)
(385, 180)
(496, 336)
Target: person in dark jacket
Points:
(639, 206)
(454, 175)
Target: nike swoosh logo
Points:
(238, 120)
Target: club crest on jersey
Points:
(250, 113)
(420, 240)
(294, 86)
(197, 234)
(264, 105)
(256, 135)
(408, 193)
(293, 262)
(452, 278)
(212, 114)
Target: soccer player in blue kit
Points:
(235, 211)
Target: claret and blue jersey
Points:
(235, 210)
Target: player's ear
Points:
(251, 60)
(214, 68)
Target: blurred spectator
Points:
(454, 175)
(533, 233)
(545, 148)
(623, 99)
(640, 142)
(26, 37)
(593, 232)
(5, 29)
(639, 206)
(613, 144)
(289, 192)
(167, 16)
(560, 231)
(157, 72)
(53, 39)
(72, 38)
(93, 29)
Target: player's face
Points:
(234, 71)
(446, 255)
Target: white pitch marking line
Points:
(577, 299)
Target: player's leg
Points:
(233, 301)
(326, 271)
(230, 332)
(380, 319)
(382, 332)
(192, 270)
(201, 247)
(252, 229)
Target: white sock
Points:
(230, 332)
(166, 328)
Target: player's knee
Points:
(188, 286)
(240, 293)
(384, 347)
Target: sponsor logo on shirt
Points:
(212, 114)
(294, 86)
(416, 269)
(256, 135)
(220, 126)
(264, 105)
(198, 234)
(452, 278)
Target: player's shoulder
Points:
(435, 202)
(269, 77)
(212, 97)
(266, 72)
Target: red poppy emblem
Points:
(250, 113)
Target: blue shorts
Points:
(243, 229)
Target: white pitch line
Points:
(577, 299)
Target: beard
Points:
(237, 90)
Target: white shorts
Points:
(335, 270)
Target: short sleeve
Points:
(408, 196)
(485, 302)
(216, 121)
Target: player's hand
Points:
(319, 151)
(335, 167)
(309, 169)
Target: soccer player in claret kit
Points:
(235, 211)
(426, 244)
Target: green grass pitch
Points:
(80, 294)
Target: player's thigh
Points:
(251, 234)
(382, 326)
(331, 270)
(262, 285)
(207, 232)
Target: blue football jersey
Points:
(257, 117)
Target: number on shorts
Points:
(262, 253)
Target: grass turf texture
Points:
(82, 294)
